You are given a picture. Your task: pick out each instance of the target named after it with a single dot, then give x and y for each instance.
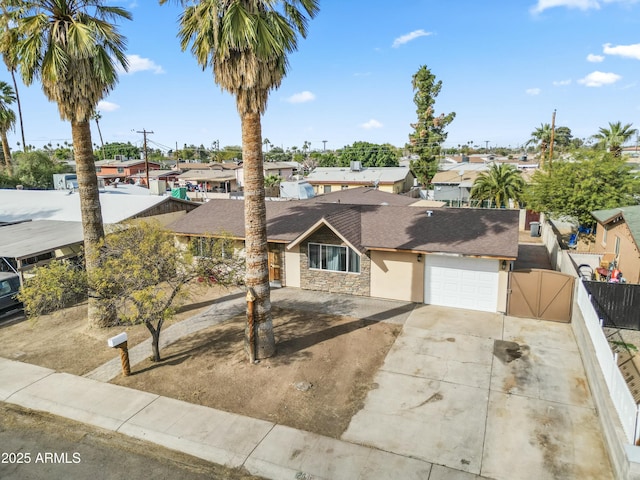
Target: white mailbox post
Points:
(120, 342)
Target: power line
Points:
(146, 157)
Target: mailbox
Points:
(117, 340)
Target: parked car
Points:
(9, 288)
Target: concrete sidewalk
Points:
(263, 448)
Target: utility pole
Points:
(553, 136)
(146, 157)
(486, 146)
(324, 145)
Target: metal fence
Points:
(621, 397)
(618, 304)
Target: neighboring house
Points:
(218, 180)
(110, 170)
(387, 179)
(450, 257)
(618, 233)
(26, 245)
(167, 176)
(284, 170)
(39, 225)
(454, 186)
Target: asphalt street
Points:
(40, 446)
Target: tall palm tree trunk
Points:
(6, 152)
(92, 227)
(15, 88)
(256, 247)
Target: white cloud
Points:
(562, 83)
(595, 58)
(410, 36)
(301, 97)
(533, 91)
(140, 64)
(628, 51)
(598, 79)
(105, 106)
(371, 124)
(543, 5)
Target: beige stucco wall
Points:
(397, 276)
(292, 266)
(629, 256)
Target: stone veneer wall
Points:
(334, 282)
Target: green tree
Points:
(614, 137)
(7, 121)
(594, 180)
(562, 137)
(500, 184)
(369, 155)
(111, 149)
(35, 169)
(247, 43)
(143, 276)
(541, 137)
(73, 49)
(429, 131)
(325, 159)
(277, 154)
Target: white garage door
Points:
(461, 282)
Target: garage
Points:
(461, 282)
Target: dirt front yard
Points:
(318, 380)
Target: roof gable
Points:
(630, 214)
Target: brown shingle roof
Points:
(465, 231)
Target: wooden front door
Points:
(274, 265)
(542, 294)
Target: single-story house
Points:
(110, 170)
(387, 179)
(221, 181)
(447, 256)
(454, 186)
(37, 226)
(618, 233)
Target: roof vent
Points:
(356, 166)
(429, 213)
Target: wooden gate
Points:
(542, 294)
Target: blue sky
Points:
(505, 67)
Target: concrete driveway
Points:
(487, 394)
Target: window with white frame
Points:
(334, 258)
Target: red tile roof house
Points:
(449, 257)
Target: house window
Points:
(120, 169)
(327, 189)
(617, 249)
(604, 237)
(344, 187)
(334, 258)
(98, 169)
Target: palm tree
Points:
(97, 117)
(8, 49)
(73, 49)
(266, 142)
(247, 42)
(500, 184)
(541, 136)
(615, 136)
(7, 121)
